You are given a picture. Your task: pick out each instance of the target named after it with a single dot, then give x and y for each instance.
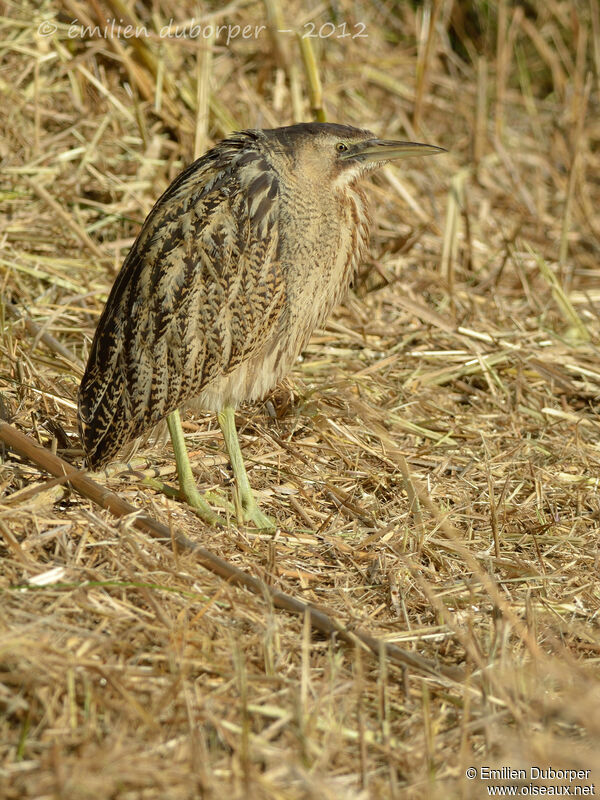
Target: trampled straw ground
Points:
(432, 460)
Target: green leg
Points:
(249, 506)
(187, 484)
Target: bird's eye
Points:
(341, 147)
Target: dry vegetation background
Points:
(433, 459)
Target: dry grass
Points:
(433, 459)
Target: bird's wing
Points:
(200, 292)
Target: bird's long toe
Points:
(200, 505)
(259, 518)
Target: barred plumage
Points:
(241, 258)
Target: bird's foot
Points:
(199, 503)
(248, 510)
(195, 500)
(259, 518)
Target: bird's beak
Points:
(388, 150)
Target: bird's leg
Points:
(250, 508)
(187, 484)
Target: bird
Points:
(246, 253)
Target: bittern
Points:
(243, 256)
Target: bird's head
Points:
(338, 154)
